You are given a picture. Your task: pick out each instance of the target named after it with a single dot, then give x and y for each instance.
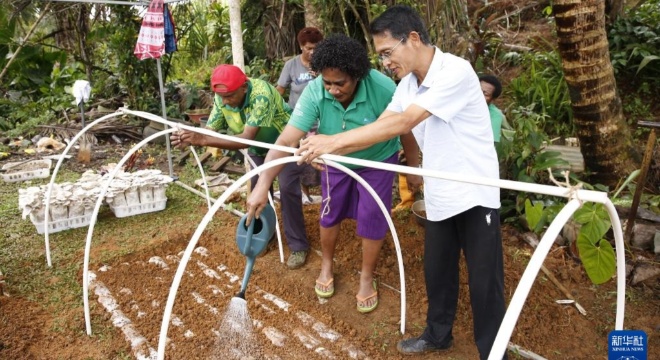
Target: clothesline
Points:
(116, 2)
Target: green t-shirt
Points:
(263, 107)
(496, 118)
(317, 103)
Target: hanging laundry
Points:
(170, 36)
(151, 40)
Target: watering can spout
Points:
(252, 240)
(246, 275)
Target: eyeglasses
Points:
(386, 54)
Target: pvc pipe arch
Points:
(57, 168)
(99, 201)
(162, 342)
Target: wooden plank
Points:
(233, 169)
(220, 164)
(181, 160)
(205, 157)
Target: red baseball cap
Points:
(227, 78)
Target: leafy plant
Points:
(125, 74)
(542, 88)
(521, 150)
(596, 253)
(635, 41)
(538, 216)
(522, 158)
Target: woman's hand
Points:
(256, 203)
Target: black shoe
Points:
(418, 345)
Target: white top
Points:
(457, 138)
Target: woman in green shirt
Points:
(347, 95)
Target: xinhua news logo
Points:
(627, 345)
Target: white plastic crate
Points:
(137, 209)
(38, 169)
(61, 225)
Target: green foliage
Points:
(540, 213)
(634, 104)
(259, 68)
(541, 86)
(647, 201)
(522, 159)
(635, 42)
(520, 149)
(535, 216)
(32, 66)
(203, 33)
(635, 53)
(596, 253)
(22, 113)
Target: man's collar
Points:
(434, 67)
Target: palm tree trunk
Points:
(603, 132)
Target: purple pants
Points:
(350, 200)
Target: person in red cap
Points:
(253, 109)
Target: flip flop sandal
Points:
(361, 307)
(329, 288)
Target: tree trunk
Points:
(312, 15)
(236, 33)
(605, 138)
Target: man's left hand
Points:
(315, 146)
(184, 138)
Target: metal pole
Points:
(162, 104)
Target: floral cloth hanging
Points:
(151, 40)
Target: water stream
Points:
(236, 338)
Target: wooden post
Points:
(646, 163)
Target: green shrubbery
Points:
(542, 88)
(635, 52)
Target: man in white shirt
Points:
(439, 99)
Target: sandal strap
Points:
(327, 283)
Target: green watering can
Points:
(252, 240)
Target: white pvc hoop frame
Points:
(174, 127)
(113, 173)
(74, 141)
(527, 280)
(209, 215)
